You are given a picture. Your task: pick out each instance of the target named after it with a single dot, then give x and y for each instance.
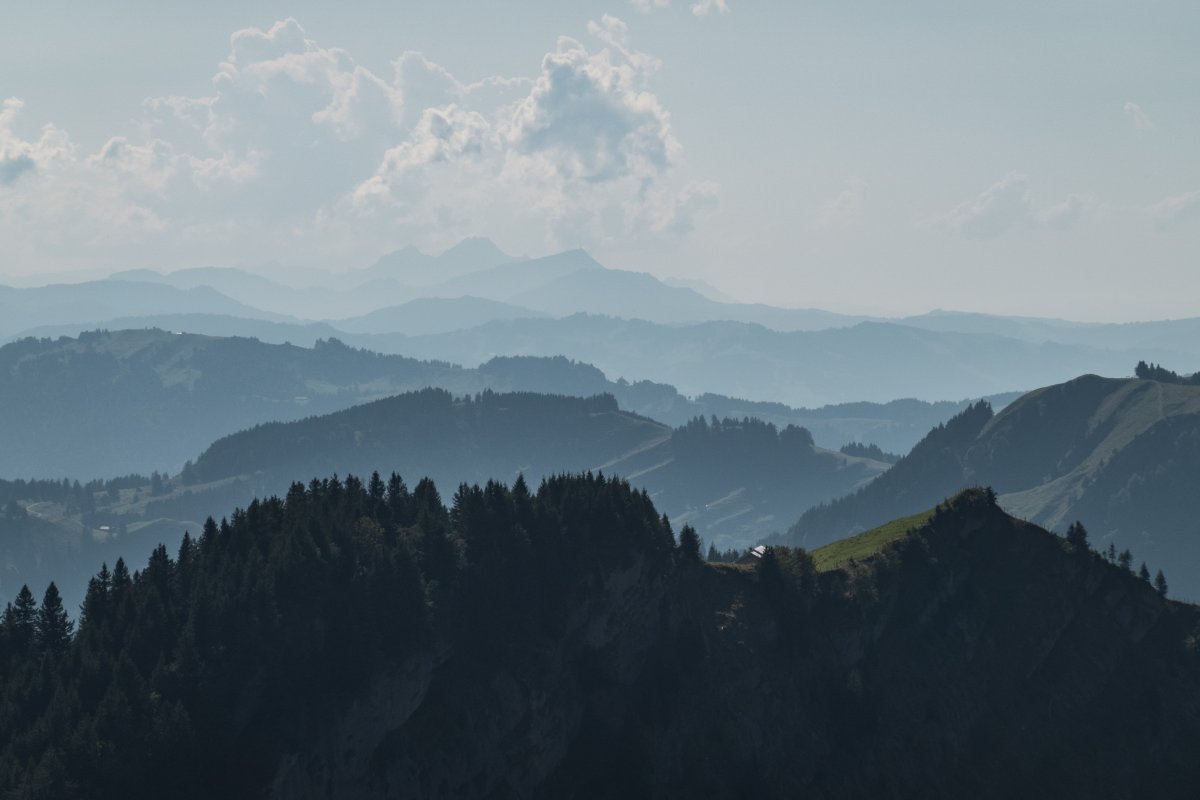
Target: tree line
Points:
(183, 677)
(1157, 372)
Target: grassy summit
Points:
(838, 553)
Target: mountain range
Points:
(1118, 455)
(876, 362)
(474, 302)
(109, 403)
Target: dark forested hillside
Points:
(441, 435)
(361, 640)
(1116, 454)
(731, 479)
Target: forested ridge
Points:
(192, 676)
(730, 478)
(361, 639)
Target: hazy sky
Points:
(1023, 157)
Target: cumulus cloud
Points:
(589, 117)
(53, 201)
(17, 156)
(1006, 204)
(297, 148)
(1172, 211)
(585, 145)
(1141, 122)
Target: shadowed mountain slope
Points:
(1117, 454)
(561, 644)
(730, 479)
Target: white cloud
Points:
(1007, 204)
(646, 6)
(995, 210)
(19, 157)
(53, 202)
(585, 146)
(673, 211)
(702, 8)
(1141, 122)
(1172, 211)
(299, 150)
(845, 209)
(1067, 213)
(589, 117)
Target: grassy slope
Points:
(835, 554)
(1131, 409)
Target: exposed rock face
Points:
(977, 657)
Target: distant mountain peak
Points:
(577, 256)
(479, 248)
(398, 258)
(412, 266)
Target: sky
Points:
(1033, 158)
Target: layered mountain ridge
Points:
(1116, 454)
(110, 403)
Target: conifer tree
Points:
(1077, 535)
(95, 602)
(689, 543)
(22, 620)
(1125, 560)
(52, 627)
(375, 488)
(1144, 572)
(1160, 583)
